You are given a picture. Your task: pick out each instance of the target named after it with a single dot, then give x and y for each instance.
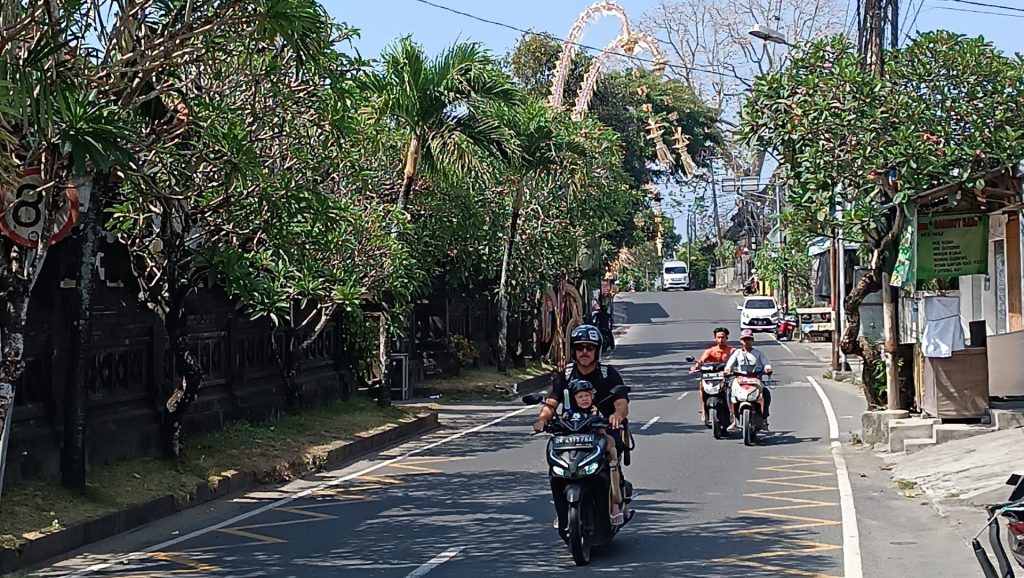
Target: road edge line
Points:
(852, 564)
(298, 496)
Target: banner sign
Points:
(951, 246)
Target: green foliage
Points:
(947, 109)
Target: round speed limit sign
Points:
(22, 210)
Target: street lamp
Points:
(768, 34)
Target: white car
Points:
(675, 276)
(758, 313)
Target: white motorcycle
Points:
(745, 393)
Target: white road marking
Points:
(682, 395)
(435, 562)
(650, 423)
(833, 423)
(298, 496)
(852, 567)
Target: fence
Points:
(131, 371)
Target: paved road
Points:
(472, 499)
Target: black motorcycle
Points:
(1013, 511)
(716, 398)
(578, 468)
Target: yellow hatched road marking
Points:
(795, 477)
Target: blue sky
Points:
(381, 21)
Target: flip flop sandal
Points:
(618, 519)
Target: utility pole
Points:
(871, 45)
(714, 208)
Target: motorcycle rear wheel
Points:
(578, 545)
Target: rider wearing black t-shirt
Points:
(585, 341)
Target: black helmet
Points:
(585, 334)
(578, 385)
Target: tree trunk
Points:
(412, 160)
(187, 388)
(506, 264)
(853, 344)
(13, 315)
(76, 401)
(286, 359)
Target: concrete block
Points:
(901, 430)
(875, 424)
(957, 431)
(914, 445)
(1004, 419)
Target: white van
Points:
(674, 276)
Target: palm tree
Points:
(545, 145)
(439, 103)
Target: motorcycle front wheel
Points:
(749, 437)
(578, 545)
(716, 426)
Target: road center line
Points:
(298, 496)
(852, 567)
(435, 562)
(682, 395)
(650, 423)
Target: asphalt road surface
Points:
(472, 499)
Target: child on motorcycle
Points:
(583, 404)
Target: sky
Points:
(381, 21)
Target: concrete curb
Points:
(45, 547)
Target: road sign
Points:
(22, 209)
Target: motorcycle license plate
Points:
(748, 381)
(574, 440)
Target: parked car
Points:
(758, 313)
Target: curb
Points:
(48, 546)
(534, 384)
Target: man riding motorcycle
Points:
(585, 346)
(717, 353)
(749, 359)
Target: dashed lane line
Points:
(435, 562)
(650, 423)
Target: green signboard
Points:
(951, 246)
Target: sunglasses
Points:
(585, 347)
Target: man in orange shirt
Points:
(717, 353)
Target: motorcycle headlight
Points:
(558, 470)
(590, 469)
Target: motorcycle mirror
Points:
(690, 358)
(1018, 491)
(532, 399)
(620, 389)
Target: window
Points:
(760, 304)
(681, 270)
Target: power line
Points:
(987, 5)
(979, 12)
(583, 46)
(910, 29)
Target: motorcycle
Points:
(578, 468)
(1013, 511)
(786, 326)
(745, 394)
(716, 404)
(749, 289)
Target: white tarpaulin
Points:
(943, 332)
